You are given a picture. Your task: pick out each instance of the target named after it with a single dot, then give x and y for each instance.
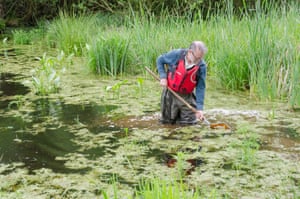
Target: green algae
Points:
(93, 135)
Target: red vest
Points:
(182, 80)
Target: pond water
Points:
(75, 141)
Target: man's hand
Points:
(163, 82)
(200, 115)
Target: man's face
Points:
(195, 56)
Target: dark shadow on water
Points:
(35, 151)
(10, 52)
(111, 178)
(170, 160)
(69, 113)
(9, 87)
(284, 131)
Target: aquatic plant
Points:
(247, 147)
(140, 82)
(19, 102)
(4, 42)
(115, 89)
(46, 78)
(70, 32)
(126, 130)
(271, 114)
(180, 165)
(115, 192)
(259, 52)
(109, 56)
(21, 37)
(162, 189)
(27, 37)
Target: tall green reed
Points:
(227, 57)
(257, 52)
(109, 56)
(273, 60)
(71, 33)
(154, 35)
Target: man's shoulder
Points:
(178, 53)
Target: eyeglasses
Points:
(196, 59)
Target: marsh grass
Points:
(26, 37)
(109, 56)
(159, 188)
(257, 51)
(70, 33)
(153, 35)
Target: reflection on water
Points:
(10, 52)
(20, 141)
(9, 87)
(68, 113)
(36, 151)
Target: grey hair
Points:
(198, 45)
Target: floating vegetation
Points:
(69, 142)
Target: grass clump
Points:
(71, 33)
(258, 52)
(24, 37)
(161, 189)
(109, 56)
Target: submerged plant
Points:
(46, 78)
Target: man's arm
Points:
(201, 86)
(169, 59)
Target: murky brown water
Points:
(81, 137)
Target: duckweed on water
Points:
(93, 136)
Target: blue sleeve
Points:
(201, 86)
(170, 58)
